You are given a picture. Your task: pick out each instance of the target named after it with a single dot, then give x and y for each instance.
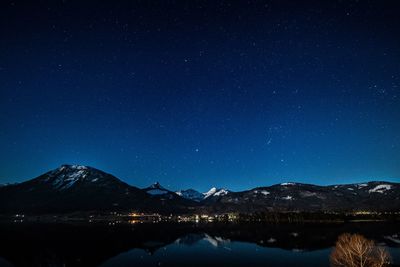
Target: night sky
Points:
(195, 94)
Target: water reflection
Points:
(181, 244)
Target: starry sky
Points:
(195, 94)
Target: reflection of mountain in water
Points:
(191, 239)
(90, 245)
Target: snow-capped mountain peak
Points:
(70, 176)
(197, 196)
(215, 192)
(67, 176)
(210, 192)
(157, 185)
(72, 167)
(288, 183)
(221, 192)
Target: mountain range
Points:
(75, 188)
(194, 195)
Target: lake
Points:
(182, 244)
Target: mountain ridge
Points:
(70, 188)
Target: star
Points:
(269, 141)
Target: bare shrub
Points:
(353, 250)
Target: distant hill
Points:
(371, 196)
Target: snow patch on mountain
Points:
(263, 192)
(361, 185)
(215, 192)
(382, 188)
(210, 192)
(67, 176)
(221, 192)
(287, 184)
(215, 241)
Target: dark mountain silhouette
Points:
(75, 188)
(371, 196)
